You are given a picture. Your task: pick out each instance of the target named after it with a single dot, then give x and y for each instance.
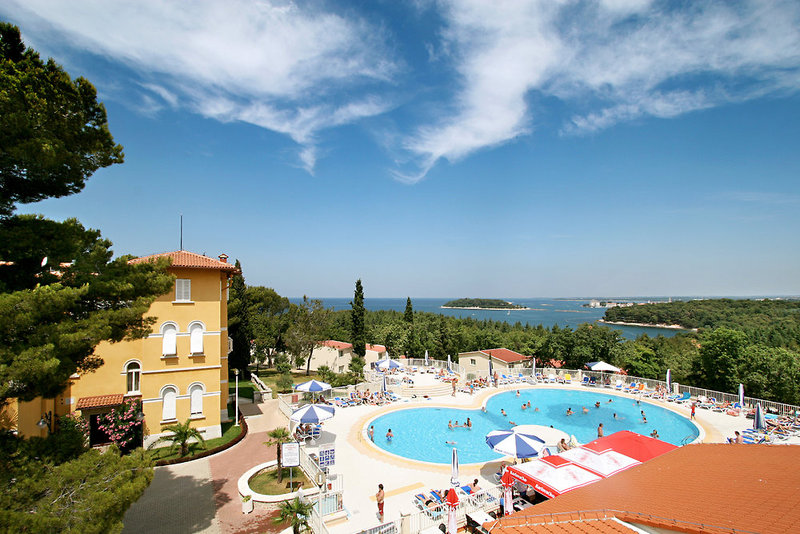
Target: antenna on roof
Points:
(181, 232)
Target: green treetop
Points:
(53, 131)
(408, 315)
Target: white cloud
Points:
(268, 63)
(613, 61)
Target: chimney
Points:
(223, 258)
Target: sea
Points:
(543, 311)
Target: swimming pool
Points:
(422, 433)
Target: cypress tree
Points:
(408, 316)
(358, 336)
(238, 324)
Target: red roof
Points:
(506, 355)
(376, 348)
(99, 401)
(708, 488)
(339, 345)
(183, 258)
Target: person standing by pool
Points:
(600, 430)
(371, 434)
(389, 435)
(379, 497)
(694, 406)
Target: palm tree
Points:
(181, 434)
(296, 512)
(279, 436)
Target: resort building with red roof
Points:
(503, 361)
(337, 355)
(179, 371)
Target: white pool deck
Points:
(363, 465)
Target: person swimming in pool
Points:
(502, 412)
(597, 404)
(569, 411)
(468, 424)
(585, 409)
(389, 435)
(450, 424)
(529, 405)
(450, 442)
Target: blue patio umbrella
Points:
(515, 444)
(312, 386)
(759, 422)
(313, 413)
(388, 363)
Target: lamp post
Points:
(236, 415)
(46, 421)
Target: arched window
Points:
(133, 373)
(196, 396)
(169, 343)
(196, 336)
(169, 397)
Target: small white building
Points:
(337, 355)
(503, 361)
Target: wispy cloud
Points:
(612, 61)
(269, 63)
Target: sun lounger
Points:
(592, 382)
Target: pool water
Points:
(422, 433)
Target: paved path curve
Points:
(202, 495)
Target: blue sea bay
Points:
(545, 311)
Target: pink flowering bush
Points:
(121, 425)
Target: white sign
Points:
(290, 454)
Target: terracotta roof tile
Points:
(339, 345)
(563, 523)
(376, 348)
(709, 488)
(100, 401)
(183, 258)
(506, 355)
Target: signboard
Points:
(290, 454)
(327, 456)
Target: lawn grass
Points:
(270, 379)
(229, 432)
(245, 389)
(266, 482)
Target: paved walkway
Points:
(201, 495)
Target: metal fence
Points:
(486, 500)
(392, 527)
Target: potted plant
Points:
(247, 504)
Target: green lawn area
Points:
(270, 378)
(229, 431)
(266, 482)
(245, 389)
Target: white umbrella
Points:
(454, 470)
(426, 358)
(669, 382)
(448, 363)
(759, 422)
(490, 367)
(741, 397)
(602, 366)
(384, 389)
(312, 386)
(515, 444)
(313, 413)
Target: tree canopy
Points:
(53, 132)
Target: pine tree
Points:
(358, 335)
(408, 315)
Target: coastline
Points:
(650, 325)
(479, 308)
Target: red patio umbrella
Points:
(631, 444)
(452, 504)
(508, 497)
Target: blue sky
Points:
(464, 148)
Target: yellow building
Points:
(180, 371)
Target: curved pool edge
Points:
(361, 427)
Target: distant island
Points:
(482, 304)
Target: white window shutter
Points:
(170, 341)
(197, 400)
(196, 336)
(183, 290)
(168, 411)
